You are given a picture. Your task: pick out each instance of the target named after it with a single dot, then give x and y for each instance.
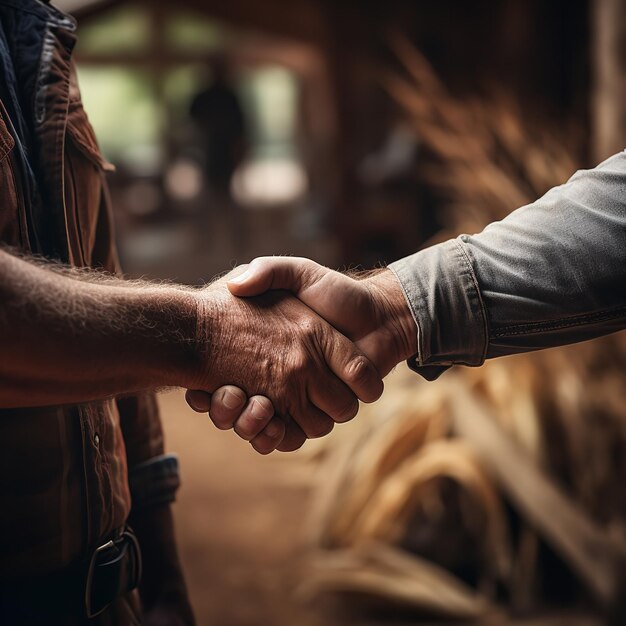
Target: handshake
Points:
(288, 347)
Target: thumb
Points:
(266, 273)
(350, 365)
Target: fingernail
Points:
(231, 400)
(241, 278)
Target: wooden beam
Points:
(302, 20)
(609, 62)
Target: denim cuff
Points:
(443, 294)
(154, 481)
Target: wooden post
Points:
(609, 64)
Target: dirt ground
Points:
(239, 521)
(241, 526)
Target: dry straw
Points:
(407, 510)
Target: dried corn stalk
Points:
(380, 571)
(398, 478)
(488, 161)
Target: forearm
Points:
(551, 273)
(67, 337)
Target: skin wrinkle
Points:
(290, 350)
(397, 335)
(383, 329)
(273, 345)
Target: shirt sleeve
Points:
(551, 273)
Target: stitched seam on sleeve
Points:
(483, 311)
(569, 322)
(420, 357)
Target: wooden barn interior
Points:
(374, 128)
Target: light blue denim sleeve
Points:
(551, 273)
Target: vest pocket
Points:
(85, 169)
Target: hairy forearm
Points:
(68, 336)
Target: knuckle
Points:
(300, 364)
(358, 369)
(309, 329)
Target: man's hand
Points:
(277, 347)
(252, 418)
(372, 311)
(147, 336)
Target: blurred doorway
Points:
(140, 67)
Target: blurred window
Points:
(125, 113)
(180, 84)
(138, 84)
(120, 30)
(270, 97)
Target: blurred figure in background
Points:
(219, 118)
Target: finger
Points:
(265, 273)
(334, 398)
(198, 400)
(227, 403)
(313, 422)
(236, 271)
(350, 365)
(254, 418)
(270, 437)
(294, 437)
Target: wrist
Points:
(208, 325)
(397, 318)
(174, 320)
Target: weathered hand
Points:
(276, 346)
(371, 311)
(253, 419)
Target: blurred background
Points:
(354, 133)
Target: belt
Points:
(113, 569)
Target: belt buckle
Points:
(88, 583)
(128, 536)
